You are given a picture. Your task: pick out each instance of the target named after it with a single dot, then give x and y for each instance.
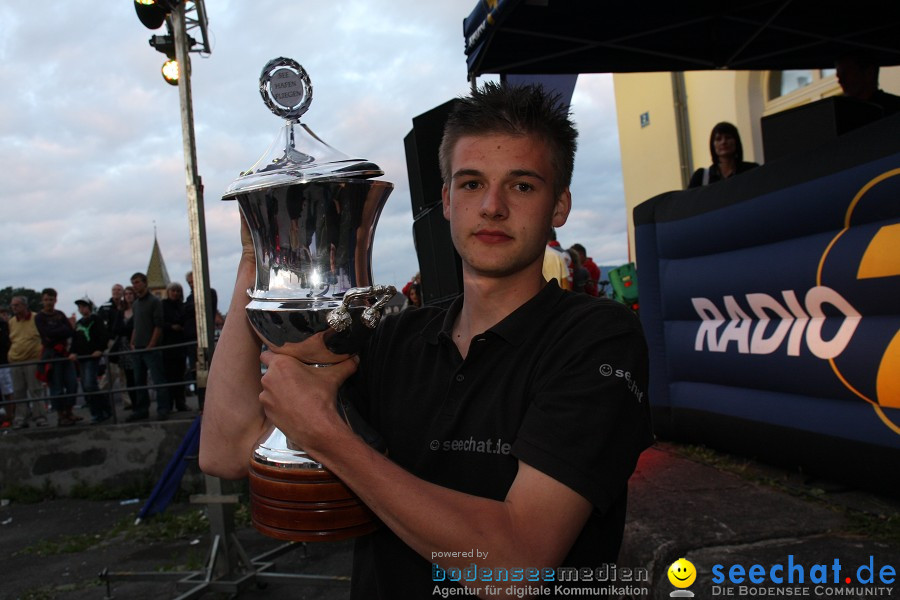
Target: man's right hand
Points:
(300, 399)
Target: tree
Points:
(9, 292)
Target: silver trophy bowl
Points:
(313, 244)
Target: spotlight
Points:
(170, 71)
(151, 13)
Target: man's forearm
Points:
(233, 419)
(417, 513)
(436, 521)
(533, 526)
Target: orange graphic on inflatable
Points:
(881, 258)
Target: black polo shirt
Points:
(559, 384)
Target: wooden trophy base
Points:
(305, 505)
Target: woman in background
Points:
(727, 156)
(413, 296)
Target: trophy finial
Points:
(285, 88)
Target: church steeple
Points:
(157, 274)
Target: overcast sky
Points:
(91, 143)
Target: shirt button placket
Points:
(454, 397)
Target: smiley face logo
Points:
(682, 573)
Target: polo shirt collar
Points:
(514, 328)
(438, 326)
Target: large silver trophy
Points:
(312, 213)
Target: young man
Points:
(591, 267)
(146, 335)
(88, 345)
(512, 420)
(109, 314)
(564, 272)
(56, 334)
(858, 77)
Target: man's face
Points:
(19, 308)
(140, 286)
(118, 292)
(500, 203)
(190, 281)
(49, 302)
(854, 79)
(84, 310)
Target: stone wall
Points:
(114, 456)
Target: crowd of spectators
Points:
(572, 268)
(135, 348)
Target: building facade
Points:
(664, 119)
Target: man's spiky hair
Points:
(518, 111)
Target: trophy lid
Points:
(297, 155)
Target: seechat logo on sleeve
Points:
(860, 265)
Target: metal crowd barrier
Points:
(109, 391)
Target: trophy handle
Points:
(339, 319)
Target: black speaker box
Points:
(439, 264)
(807, 127)
(422, 164)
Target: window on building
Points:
(787, 89)
(782, 83)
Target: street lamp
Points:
(180, 16)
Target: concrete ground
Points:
(38, 565)
(714, 511)
(723, 511)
